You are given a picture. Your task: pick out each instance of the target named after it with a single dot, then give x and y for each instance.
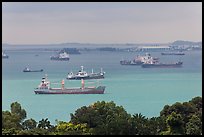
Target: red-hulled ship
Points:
(44, 88)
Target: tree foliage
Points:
(29, 124)
(106, 118)
(67, 128)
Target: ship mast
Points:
(82, 68)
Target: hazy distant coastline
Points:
(179, 44)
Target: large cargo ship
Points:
(162, 65)
(44, 88)
(81, 74)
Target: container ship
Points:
(44, 88)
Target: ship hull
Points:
(98, 90)
(162, 65)
(172, 53)
(33, 71)
(87, 77)
(5, 57)
(60, 59)
(130, 63)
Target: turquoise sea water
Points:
(138, 90)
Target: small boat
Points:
(4, 56)
(29, 70)
(44, 88)
(64, 56)
(84, 75)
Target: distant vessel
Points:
(64, 56)
(29, 70)
(139, 60)
(44, 88)
(172, 53)
(4, 56)
(162, 65)
(84, 75)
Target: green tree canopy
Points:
(29, 124)
(104, 118)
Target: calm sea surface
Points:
(138, 90)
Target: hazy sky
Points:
(131, 22)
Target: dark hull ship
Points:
(162, 65)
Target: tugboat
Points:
(84, 75)
(29, 70)
(64, 56)
(44, 88)
(4, 56)
(139, 60)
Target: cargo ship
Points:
(81, 74)
(44, 88)
(64, 56)
(138, 60)
(162, 65)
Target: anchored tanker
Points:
(44, 88)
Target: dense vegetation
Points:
(105, 118)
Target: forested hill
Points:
(188, 43)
